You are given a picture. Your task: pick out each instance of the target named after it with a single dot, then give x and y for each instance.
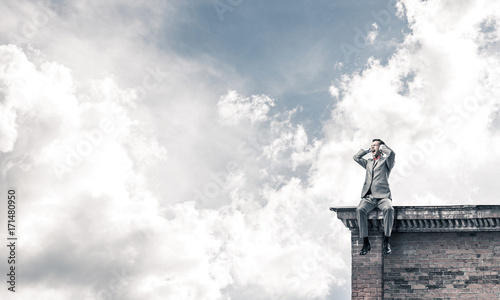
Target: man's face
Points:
(374, 149)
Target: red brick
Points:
(449, 272)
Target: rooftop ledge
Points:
(429, 218)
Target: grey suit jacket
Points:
(377, 172)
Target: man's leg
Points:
(385, 205)
(365, 206)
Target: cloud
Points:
(334, 91)
(233, 108)
(372, 34)
(19, 103)
(82, 192)
(92, 221)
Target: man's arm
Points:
(358, 157)
(391, 156)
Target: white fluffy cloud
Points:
(233, 108)
(94, 222)
(81, 195)
(372, 34)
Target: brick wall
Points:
(447, 265)
(367, 281)
(443, 265)
(438, 252)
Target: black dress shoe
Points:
(387, 248)
(365, 249)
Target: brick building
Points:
(438, 252)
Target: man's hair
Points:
(378, 140)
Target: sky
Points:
(192, 149)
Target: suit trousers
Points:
(368, 204)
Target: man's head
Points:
(375, 147)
